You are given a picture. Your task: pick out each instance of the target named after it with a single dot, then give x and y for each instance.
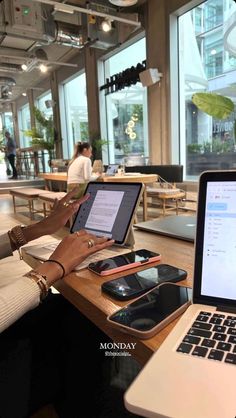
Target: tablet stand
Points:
(129, 243)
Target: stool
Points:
(165, 195)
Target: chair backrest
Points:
(172, 173)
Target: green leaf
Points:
(213, 104)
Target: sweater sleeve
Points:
(5, 246)
(16, 299)
(87, 169)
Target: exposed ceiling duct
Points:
(6, 87)
(7, 80)
(31, 23)
(29, 29)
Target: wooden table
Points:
(143, 178)
(83, 289)
(59, 177)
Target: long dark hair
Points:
(79, 147)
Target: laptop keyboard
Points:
(212, 336)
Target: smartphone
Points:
(136, 284)
(124, 262)
(153, 311)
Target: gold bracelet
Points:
(41, 281)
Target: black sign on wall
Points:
(123, 79)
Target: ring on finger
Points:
(66, 204)
(91, 243)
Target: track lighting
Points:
(43, 68)
(106, 25)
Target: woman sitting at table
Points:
(80, 168)
(47, 349)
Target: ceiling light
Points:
(213, 51)
(24, 94)
(24, 67)
(106, 25)
(123, 3)
(65, 8)
(43, 68)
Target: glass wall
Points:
(24, 125)
(75, 119)
(125, 125)
(7, 122)
(207, 63)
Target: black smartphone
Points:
(153, 311)
(124, 262)
(136, 284)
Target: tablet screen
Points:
(109, 210)
(112, 169)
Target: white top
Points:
(80, 171)
(17, 298)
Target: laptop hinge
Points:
(225, 308)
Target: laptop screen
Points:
(112, 169)
(109, 210)
(215, 258)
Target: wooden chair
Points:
(167, 194)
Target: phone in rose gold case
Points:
(124, 262)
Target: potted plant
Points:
(43, 134)
(97, 145)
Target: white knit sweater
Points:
(17, 298)
(80, 171)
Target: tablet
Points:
(110, 209)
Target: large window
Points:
(75, 118)
(207, 63)
(24, 125)
(126, 110)
(42, 103)
(7, 122)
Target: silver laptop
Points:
(181, 227)
(112, 169)
(109, 211)
(193, 373)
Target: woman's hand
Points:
(72, 250)
(62, 211)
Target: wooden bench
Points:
(28, 194)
